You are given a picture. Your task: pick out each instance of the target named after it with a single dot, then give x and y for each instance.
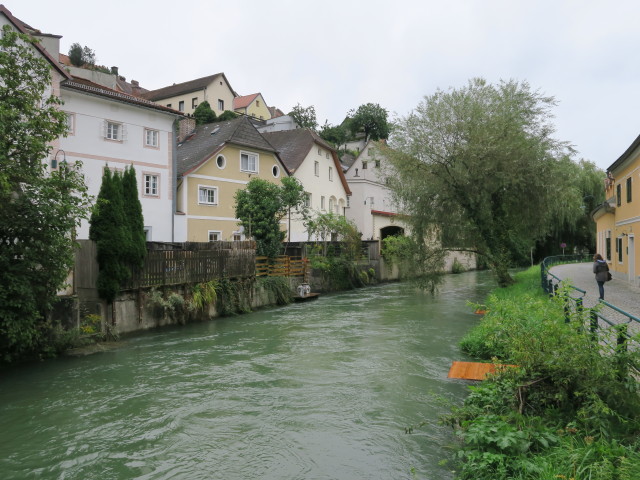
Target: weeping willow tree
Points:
(480, 166)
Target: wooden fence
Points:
(282, 266)
(174, 264)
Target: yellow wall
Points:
(221, 217)
(624, 222)
(258, 109)
(212, 94)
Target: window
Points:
(330, 174)
(214, 236)
(194, 102)
(348, 202)
(316, 168)
(619, 248)
(307, 199)
(248, 162)
(607, 243)
(326, 155)
(221, 105)
(377, 163)
(275, 171)
(237, 236)
(151, 138)
(150, 185)
(321, 203)
(181, 105)
(169, 105)
(364, 165)
(619, 194)
(71, 123)
(221, 162)
(257, 103)
(319, 151)
(207, 195)
(114, 131)
(629, 190)
(331, 204)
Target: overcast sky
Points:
(337, 55)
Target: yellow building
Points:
(252, 105)
(214, 162)
(618, 218)
(186, 96)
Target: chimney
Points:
(135, 83)
(114, 71)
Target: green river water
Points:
(316, 390)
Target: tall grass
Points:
(564, 412)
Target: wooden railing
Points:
(282, 266)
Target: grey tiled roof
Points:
(294, 145)
(207, 139)
(181, 88)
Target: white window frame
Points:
(154, 136)
(224, 162)
(331, 204)
(150, 184)
(316, 168)
(71, 123)
(307, 199)
(221, 105)
(275, 171)
(207, 188)
(181, 106)
(331, 174)
(114, 131)
(236, 234)
(249, 155)
(322, 202)
(211, 233)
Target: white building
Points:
(371, 205)
(315, 164)
(109, 128)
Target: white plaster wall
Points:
(87, 144)
(317, 186)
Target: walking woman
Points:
(601, 269)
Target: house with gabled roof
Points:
(317, 167)
(112, 129)
(252, 105)
(186, 96)
(372, 208)
(617, 216)
(214, 162)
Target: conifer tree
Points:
(133, 218)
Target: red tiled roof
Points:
(86, 86)
(244, 101)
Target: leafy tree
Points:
(226, 116)
(305, 117)
(204, 114)
(133, 218)
(80, 56)
(336, 135)
(481, 162)
(262, 205)
(331, 227)
(38, 210)
(371, 119)
(109, 230)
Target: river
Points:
(317, 390)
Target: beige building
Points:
(186, 96)
(617, 217)
(252, 105)
(214, 162)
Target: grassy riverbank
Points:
(566, 412)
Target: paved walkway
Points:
(616, 292)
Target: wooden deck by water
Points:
(474, 370)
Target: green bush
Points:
(564, 412)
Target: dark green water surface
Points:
(317, 390)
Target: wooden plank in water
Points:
(473, 370)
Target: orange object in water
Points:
(474, 370)
(480, 312)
